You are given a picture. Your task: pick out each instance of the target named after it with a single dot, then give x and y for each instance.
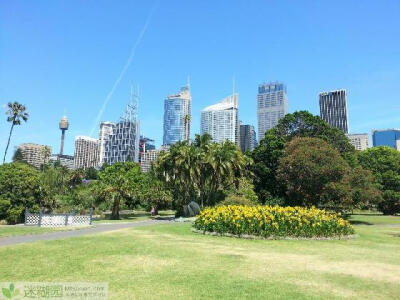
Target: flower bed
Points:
(272, 222)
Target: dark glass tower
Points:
(333, 109)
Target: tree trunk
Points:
(115, 209)
(8, 143)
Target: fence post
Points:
(40, 218)
(91, 216)
(66, 219)
(26, 215)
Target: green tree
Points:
(271, 148)
(200, 171)
(313, 173)
(46, 152)
(19, 189)
(91, 174)
(119, 183)
(16, 113)
(384, 163)
(153, 194)
(17, 156)
(54, 181)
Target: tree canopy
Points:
(384, 163)
(271, 148)
(120, 183)
(19, 189)
(315, 174)
(200, 171)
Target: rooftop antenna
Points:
(233, 84)
(188, 81)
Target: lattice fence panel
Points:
(80, 220)
(57, 220)
(53, 220)
(32, 219)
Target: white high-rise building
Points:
(272, 105)
(149, 157)
(360, 141)
(86, 152)
(35, 154)
(221, 120)
(106, 129)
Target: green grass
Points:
(374, 219)
(12, 230)
(134, 216)
(170, 262)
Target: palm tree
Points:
(16, 112)
(187, 122)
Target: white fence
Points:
(57, 220)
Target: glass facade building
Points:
(248, 139)
(386, 137)
(272, 105)
(123, 143)
(221, 120)
(177, 117)
(333, 109)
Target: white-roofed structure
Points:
(221, 120)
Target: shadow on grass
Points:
(358, 222)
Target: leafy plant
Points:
(10, 292)
(272, 221)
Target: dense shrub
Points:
(19, 189)
(272, 221)
(237, 200)
(384, 163)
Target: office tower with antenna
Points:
(221, 120)
(177, 116)
(123, 143)
(64, 124)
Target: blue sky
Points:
(61, 57)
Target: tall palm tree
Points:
(16, 113)
(187, 127)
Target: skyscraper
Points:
(145, 144)
(148, 158)
(106, 129)
(247, 138)
(221, 120)
(86, 152)
(333, 109)
(35, 154)
(177, 116)
(123, 143)
(359, 140)
(272, 105)
(386, 137)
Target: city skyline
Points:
(65, 73)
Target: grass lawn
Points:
(133, 216)
(12, 230)
(170, 262)
(371, 219)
